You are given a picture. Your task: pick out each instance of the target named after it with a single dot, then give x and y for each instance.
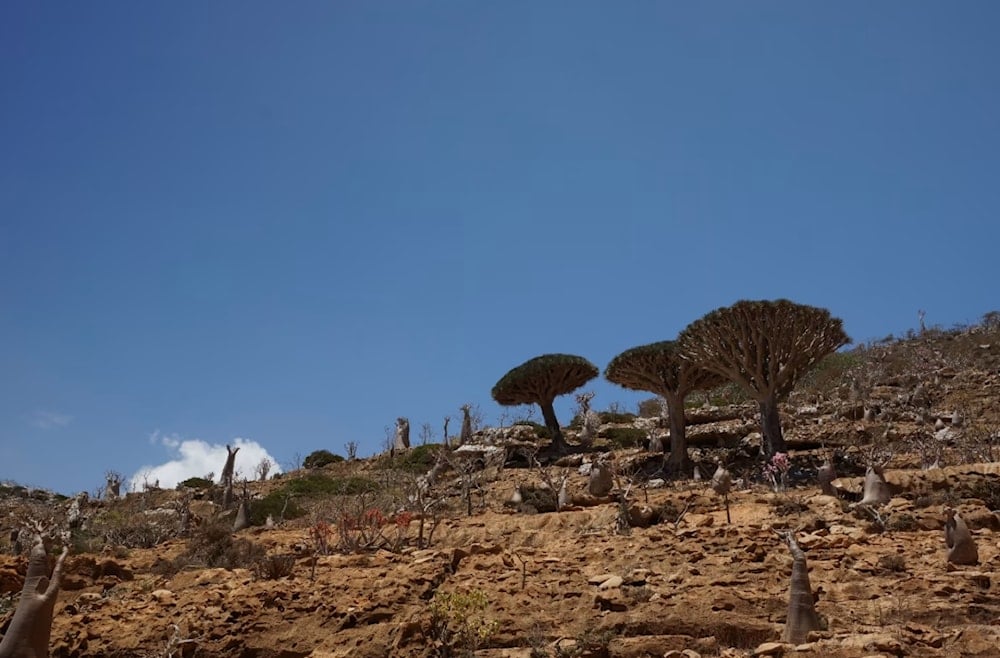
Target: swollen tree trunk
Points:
(549, 416)
(678, 461)
(242, 520)
(770, 427)
(29, 630)
(802, 616)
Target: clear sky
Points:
(290, 223)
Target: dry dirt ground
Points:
(678, 580)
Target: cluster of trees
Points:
(762, 346)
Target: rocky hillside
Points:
(369, 558)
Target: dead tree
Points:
(465, 436)
(230, 467)
(590, 422)
(30, 628)
(113, 485)
(184, 515)
(802, 616)
(440, 463)
(961, 546)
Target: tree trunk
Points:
(29, 630)
(802, 616)
(770, 427)
(678, 461)
(549, 415)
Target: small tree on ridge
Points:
(539, 381)
(659, 368)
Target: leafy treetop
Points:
(659, 368)
(764, 346)
(541, 379)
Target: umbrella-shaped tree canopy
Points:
(540, 380)
(763, 346)
(659, 368)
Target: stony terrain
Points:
(653, 569)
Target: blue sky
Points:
(292, 223)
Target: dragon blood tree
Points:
(539, 381)
(660, 369)
(764, 347)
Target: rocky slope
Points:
(659, 573)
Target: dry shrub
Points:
(124, 528)
(272, 567)
(893, 563)
(212, 545)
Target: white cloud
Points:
(50, 420)
(197, 458)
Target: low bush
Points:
(316, 484)
(277, 504)
(213, 545)
(272, 567)
(459, 623)
(126, 528)
(282, 502)
(195, 483)
(320, 458)
(613, 417)
(624, 437)
(417, 459)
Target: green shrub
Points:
(830, 373)
(316, 484)
(459, 621)
(277, 505)
(417, 459)
(615, 417)
(624, 437)
(541, 431)
(196, 483)
(13, 491)
(320, 458)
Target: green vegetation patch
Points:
(277, 505)
(416, 460)
(195, 483)
(615, 417)
(316, 484)
(624, 437)
(320, 458)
